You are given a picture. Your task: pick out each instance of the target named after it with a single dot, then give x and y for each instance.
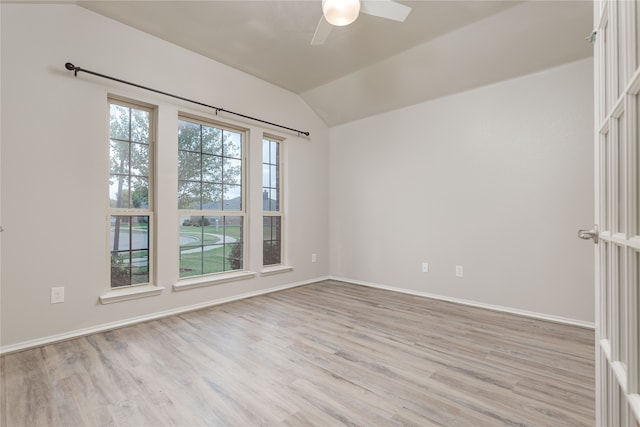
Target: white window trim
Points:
(212, 279)
(275, 269)
(130, 292)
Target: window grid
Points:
(271, 202)
(210, 244)
(130, 259)
(634, 155)
(604, 189)
(620, 178)
(130, 194)
(210, 198)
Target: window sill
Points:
(217, 279)
(129, 293)
(276, 270)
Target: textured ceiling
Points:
(374, 65)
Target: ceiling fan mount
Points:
(344, 12)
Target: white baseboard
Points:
(516, 311)
(158, 315)
(140, 319)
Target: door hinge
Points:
(592, 37)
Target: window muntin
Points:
(271, 175)
(130, 251)
(636, 163)
(209, 167)
(637, 27)
(130, 189)
(130, 155)
(271, 203)
(620, 178)
(210, 244)
(272, 240)
(210, 198)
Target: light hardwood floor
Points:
(324, 354)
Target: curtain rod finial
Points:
(69, 66)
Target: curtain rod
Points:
(69, 66)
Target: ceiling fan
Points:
(344, 12)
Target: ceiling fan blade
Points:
(385, 9)
(322, 32)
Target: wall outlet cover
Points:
(459, 271)
(57, 295)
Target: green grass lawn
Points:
(212, 260)
(209, 230)
(192, 264)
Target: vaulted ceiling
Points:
(373, 65)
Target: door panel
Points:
(617, 113)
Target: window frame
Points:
(206, 279)
(280, 212)
(146, 288)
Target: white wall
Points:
(55, 168)
(496, 179)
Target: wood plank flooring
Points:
(324, 354)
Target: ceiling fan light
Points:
(340, 12)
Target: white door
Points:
(617, 154)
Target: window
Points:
(130, 190)
(271, 203)
(210, 198)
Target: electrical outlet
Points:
(57, 295)
(425, 267)
(314, 258)
(459, 271)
